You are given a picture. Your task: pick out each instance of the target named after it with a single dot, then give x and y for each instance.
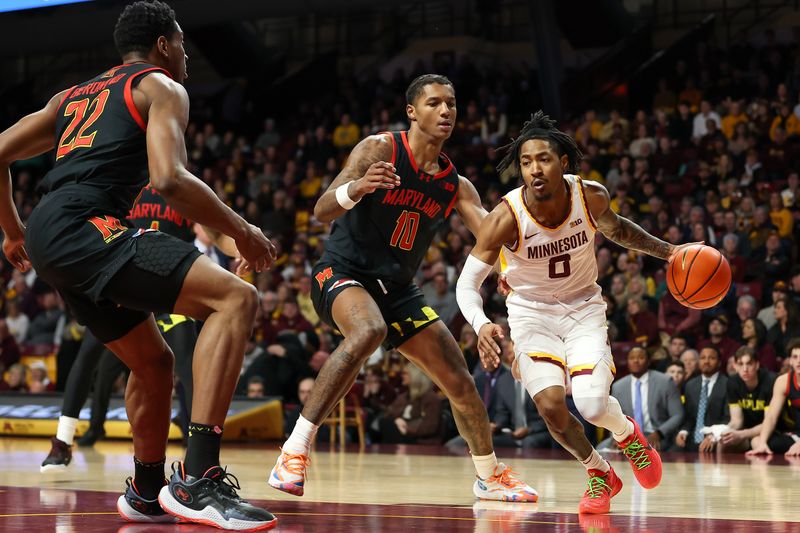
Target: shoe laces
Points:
(507, 479)
(597, 486)
(637, 454)
(228, 483)
(295, 463)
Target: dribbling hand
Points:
(678, 248)
(379, 175)
(256, 250)
(488, 350)
(14, 249)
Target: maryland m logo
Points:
(109, 227)
(324, 276)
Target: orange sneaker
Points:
(602, 487)
(504, 486)
(645, 461)
(289, 473)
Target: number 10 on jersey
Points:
(406, 230)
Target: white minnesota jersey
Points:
(552, 263)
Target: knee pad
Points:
(538, 375)
(591, 392)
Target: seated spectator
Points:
(9, 350)
(676, 371)
(677, 345)
(746, 307)
(468, 342)
(785, 391)
(730, 249)
(291, 320)
(673, 317)
(16, 379)
(290, 417)
(346, 134)
(787, 326)
(17, 321)
(706, 404)
(255, 387)
(718, 338)
(749, 393)
(280, 366)
(43, 326)
(415, 417)
(691, 361)
(767, 314)
(754, 335)
(378, 395)
(642, 325)
(442, 298)
(651, 399)
(39, 381)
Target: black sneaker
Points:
(212, 500)
(90, 437)
(134, 508)
(59, 457)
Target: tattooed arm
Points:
(619, 229)
(368, 168)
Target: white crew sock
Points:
(596, 462)
(301, 438)
(619, 437)
(485, 465)
(66, 429)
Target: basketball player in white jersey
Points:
(545, 233)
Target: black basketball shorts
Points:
(403, 307)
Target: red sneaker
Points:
(602, 487)
(645, 461)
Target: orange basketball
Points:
(699, 276)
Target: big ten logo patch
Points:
(324, 276)
(109, 227)
(575, 222)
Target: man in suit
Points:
(651, 398)
(706, 404)
(515, 420)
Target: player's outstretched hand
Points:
(14, 249)
(678, 248)
(488, 349)
(760, 448)
(256, 250)
(379, 175)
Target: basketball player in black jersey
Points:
(387, 204)
(106, 133)
(785, 394)
(151, 211)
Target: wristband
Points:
(344, 198)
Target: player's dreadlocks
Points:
(541, 126)
(141, 24)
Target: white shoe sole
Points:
(132, 515)
(208, 516)
(49, 469)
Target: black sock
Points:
(203, 450)
(149, 478)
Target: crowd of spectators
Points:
(714, 159)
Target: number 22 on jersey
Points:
(78, 110)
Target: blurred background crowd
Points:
(711, 154)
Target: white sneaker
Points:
(289, 473)
(504, 486)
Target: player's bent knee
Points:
(592, 409)
(368, 336)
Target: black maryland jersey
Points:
(753, 402)
(387, 234)
(100, 138)
(151, 211)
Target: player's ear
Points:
(163, 46)
(564, 162)
(411, 112)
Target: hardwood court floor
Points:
(410, 488)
